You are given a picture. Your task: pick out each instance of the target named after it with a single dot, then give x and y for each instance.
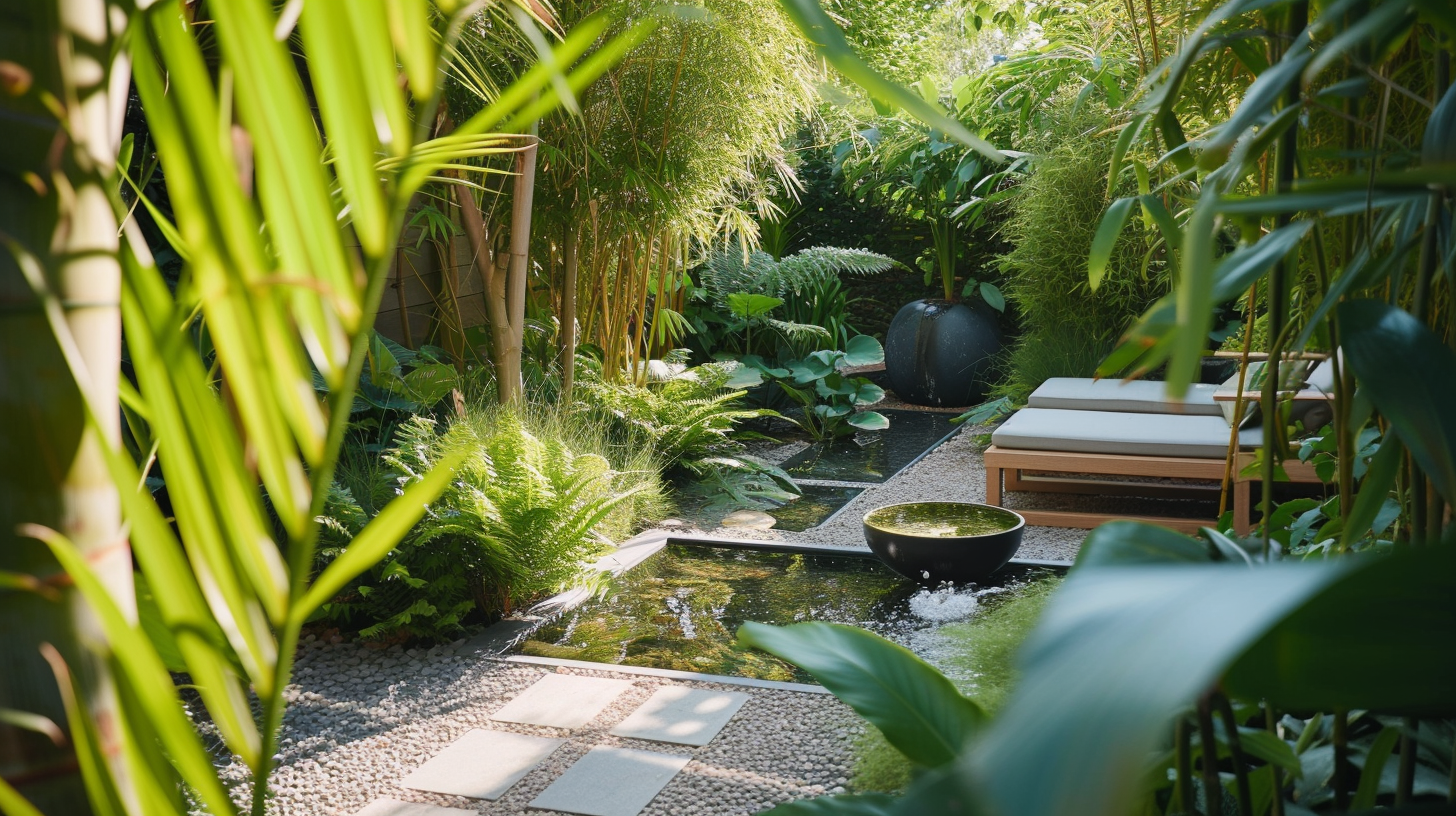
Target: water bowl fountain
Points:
(932, 542)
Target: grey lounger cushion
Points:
(1051, 429)
(1137, 396)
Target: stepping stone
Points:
(751, 519)
(682, 715)
(394, 807)
(562, 701)
(611, 782)
(481, 765)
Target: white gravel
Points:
(361, 719)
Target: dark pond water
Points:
(681, 608)
(872, 456)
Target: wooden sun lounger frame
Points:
(1007, 470)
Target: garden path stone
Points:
(611, 782)
(683, 715)
(481, 765)
(562, 701)
(394, 807)
(752, 519)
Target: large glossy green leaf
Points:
(1118, 651)
(918, 710)
(1410, 375)
(862, 349)
(869, 420)
(1125, 543)
(1369, 640)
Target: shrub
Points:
(534, 502)
(1067, 329)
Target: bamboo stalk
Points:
(54, 474)
(569, 261)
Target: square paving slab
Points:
(482, 764)
(562, 701)
(611, 782)
(683, 715)
(394, 807)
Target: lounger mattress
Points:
(1136, 396)
(1130, 434)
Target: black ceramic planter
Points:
(939, 353)
(931, 542)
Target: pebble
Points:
(347, 740)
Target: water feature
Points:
(873, 456)
(681, 608)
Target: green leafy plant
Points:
(522, 518)
(829, 401)
(744, 291)
(285, 259)
(686, 420)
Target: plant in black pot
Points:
(938, 351)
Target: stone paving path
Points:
(606, 781)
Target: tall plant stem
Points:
(1208, 764)
(65, 218)
(570, 248)
(1340, 739)
(1406, 779)
(1236, 755)
(1183, 764)
(1271, 725)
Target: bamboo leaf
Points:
(827, 38)
(155, 691)
(1105, 239)
(14, 804)
(379, 536)
(1374, 489)
(1410, 375)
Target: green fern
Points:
(688, 418)
(728, 272)
(533, 504)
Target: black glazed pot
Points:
(939, 353)
(940, 551)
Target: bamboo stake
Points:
(569, 261)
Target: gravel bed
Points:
(360, 720)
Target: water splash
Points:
(944, 603)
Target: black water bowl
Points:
(931, 542)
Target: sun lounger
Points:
(1188, 454)
(1136, 396)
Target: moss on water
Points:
(942, 519)
(681, 609)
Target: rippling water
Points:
(681, 608)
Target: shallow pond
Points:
(681, 608)
(874, 456)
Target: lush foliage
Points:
(828, 400)
(688, 420)
(285, 258)
(739, 295)
(1261, 185)
(532, 502)
(1067, 328)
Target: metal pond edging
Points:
(670, 674)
